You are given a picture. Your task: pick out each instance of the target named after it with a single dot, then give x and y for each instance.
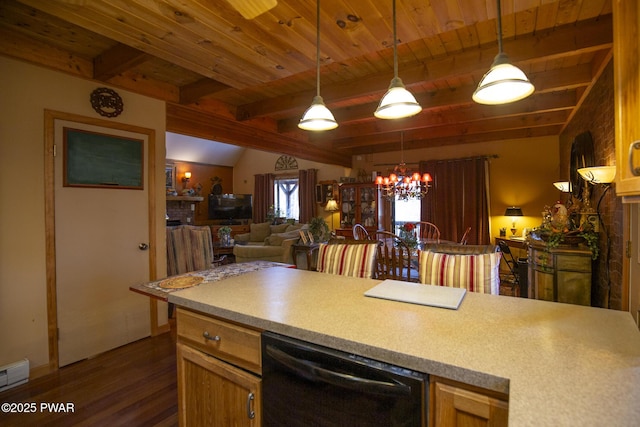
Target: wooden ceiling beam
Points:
(117, 60)
(194, 122)
(461, 139)
(459, 129)
(192, 92)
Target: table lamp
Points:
(513, 212)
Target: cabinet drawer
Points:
(573, 263)
(233, 343)
(542, 258)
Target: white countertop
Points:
(561, 364)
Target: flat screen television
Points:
(230, 208)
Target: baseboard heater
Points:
(14, 374)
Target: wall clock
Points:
(106, 102)
(286, 163)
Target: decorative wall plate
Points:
(286, 163)
(106, 102)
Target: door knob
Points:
(143, 246)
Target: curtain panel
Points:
(262, 196)
(458, 198)
(307, 194)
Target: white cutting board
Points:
(417, 293)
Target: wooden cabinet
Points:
(560, 274)
(626, 63)
(458, 405)
(358, 205)
(219, 368)
(326, 190)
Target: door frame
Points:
(50, 116)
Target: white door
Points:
(634, 263)
(97, 236)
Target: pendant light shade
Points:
(398, 102)
(317, 117)
(504, 82)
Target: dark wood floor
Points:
(134, 385)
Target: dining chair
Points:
(510, 261)
(465, 236)
(360, 233)
(346, 257)
(476, 273)
(189, 248)
(393, 258)
(428, 232)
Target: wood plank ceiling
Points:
(247, 82)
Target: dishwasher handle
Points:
(313, 372)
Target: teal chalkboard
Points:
(94, 159)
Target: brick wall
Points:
(596, 115)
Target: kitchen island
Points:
(559, 364)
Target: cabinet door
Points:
(542, 284)
(458, 407)
(626, 62)
(369, 207)
(574, 287)
(215, 393)
(348, 205)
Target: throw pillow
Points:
(298, 226)
(279, 228)
(347, 260)
(276, 239)
(259, 231)
(476, 273)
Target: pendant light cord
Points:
(499, 10)
(318, 47)
(395, 43)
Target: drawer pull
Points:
(634, 146)
(250, 413)
(207, 336)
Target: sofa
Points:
(268, 242)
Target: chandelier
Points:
(402, 183)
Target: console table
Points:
(561, 274)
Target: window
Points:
(405, 211)
(285, 194)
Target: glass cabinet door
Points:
(368, 206)
(349, 204)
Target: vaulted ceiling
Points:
(248, 81)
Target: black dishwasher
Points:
(306, 385)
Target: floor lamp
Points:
(332, 206)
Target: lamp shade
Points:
(598, 174)
(398, 102)
(332, 206)
(503, 83)
(513, 211)
(317, 117)
(564, 186)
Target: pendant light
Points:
(317, 117)
(398, 102)
(504, 82)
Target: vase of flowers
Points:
(224, 234)
(408, 235)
